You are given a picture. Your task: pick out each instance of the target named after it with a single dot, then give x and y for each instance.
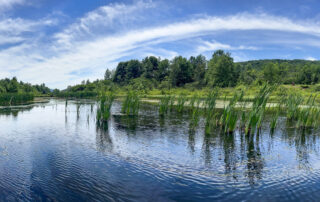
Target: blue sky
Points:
(62, 42)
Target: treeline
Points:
(14, 92)
(13, 86)
(198, 72)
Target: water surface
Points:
(50, 152)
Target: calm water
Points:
(48, 153)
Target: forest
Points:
(198, 73)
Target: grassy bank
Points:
(15, 98)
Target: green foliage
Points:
(180, 71)
(131, 104)
(181, 103)
(15, 98)
(104, 107)
(164, 105)
(221, 70)
(13, 86)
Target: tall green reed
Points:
(131, 104)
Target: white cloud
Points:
(88, 44)
(311, 58)
(5, 4)
(102, 21)
(212, 46)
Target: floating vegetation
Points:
(104, 107)
(131, 104)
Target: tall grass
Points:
(164, 105)
(181, 101)
(195, 111)
(104, 107)
(257, 111)
(131, 104)
(292, 106)
(211, 114)
(15, 98)
(172, 102)
(308, 115)
(229, 117)
(274, 118)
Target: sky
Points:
(62, 42)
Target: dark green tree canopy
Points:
(221, 70)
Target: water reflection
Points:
(103, 139)
(68, 153)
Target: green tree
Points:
(181, 71)
(163, 71)
(150, 67)
(199, 64)
(221, 70)
(108, 75)
(271, 72)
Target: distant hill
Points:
(259, 64)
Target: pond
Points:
(50, 152)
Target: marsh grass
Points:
(172, 102)
(292, 106)
(181, 101)
(229, 117)
(257, 111)
(195, 111)
(308, 116)
(104, 107)
(274, 118)
(164, 105)
(131, 104)
(15, 98)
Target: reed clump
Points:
(164, 105)
(131, 104)
(292, 105)
(257, 111)
(181, 101)
(195, 111)
(308, 115)
(104, 107)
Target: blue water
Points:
(50, 152)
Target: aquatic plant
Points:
(229, 117)
(274, 118)
(257, 111)
(104, 107)
(131, 104)
(308, 115)
(292, 106)
(195, 111)
(181, 103)
(66, 105)
(15, 98)
(172, 102)
(210, 101)
(164, 105)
